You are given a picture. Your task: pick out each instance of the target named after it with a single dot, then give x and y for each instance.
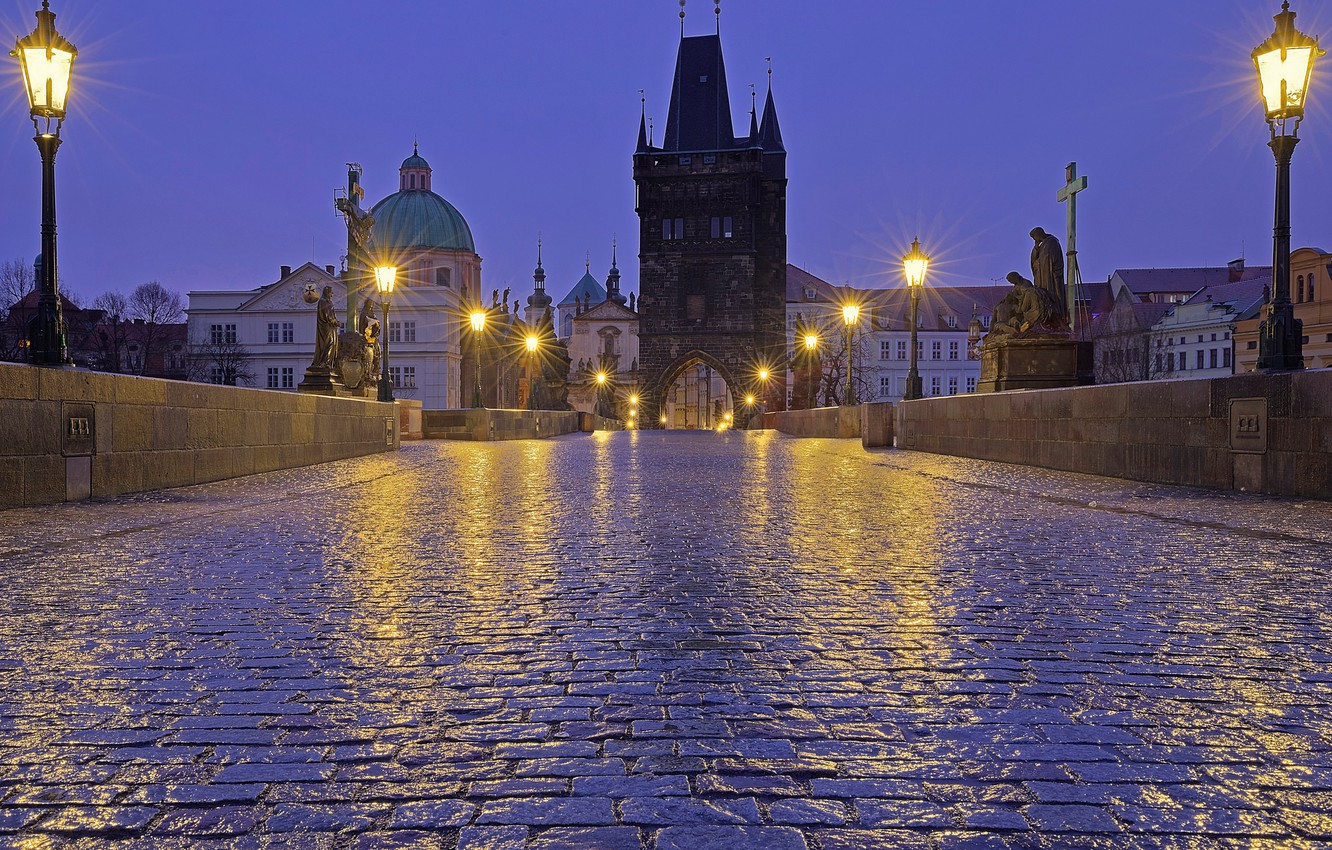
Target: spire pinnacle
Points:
(587, 261)
(682, 5)
(716, 10)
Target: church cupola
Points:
(414, 174)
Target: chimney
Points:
(1236, 268)
(286, 271)
(331, 271)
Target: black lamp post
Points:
(915, 265)
(850, 316)
(385, 276)
(47, 59)
(478, 320)
(1285, 64)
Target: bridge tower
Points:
(712, 240)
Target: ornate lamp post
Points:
(811, 341)
(385, 276)
(532, 342)
(915, 265)
(1285, 63)
(47, 59)
(850, 316)
(478, 320)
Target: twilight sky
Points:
(207, 137)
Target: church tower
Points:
(712, 237)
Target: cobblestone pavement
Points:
(679, 641)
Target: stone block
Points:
(1311, 394)
(215, 464)
(1290, 435)
(1190, 399)
(18, 381)
(75, 385)
(131, 427)
(876, 424)
(43, 480)
(1313, 476)
(29, 427)
(128, 389)
(170, 427)
(11, 482)
(78, 478)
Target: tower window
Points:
(413, 180)
(1300, 296)
(672, 228)
(443, 276)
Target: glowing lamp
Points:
(811, 341)
(47, 59)
(763, 374)
(749, 399)
(385, 277)
(601, 377)
(633, 400)
(663, 419)
(850, 313)
(532, 341)
(1285, 64)
(915, 264)
(478, 320)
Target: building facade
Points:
(1311, 294)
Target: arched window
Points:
(413, 181)
(1300, 289)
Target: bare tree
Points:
(154, 305)
(16, 281)
(115, 306)
(226, 363)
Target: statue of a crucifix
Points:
(1072, 277)
(359, 223)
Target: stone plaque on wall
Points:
(1248, 425)
(77, 431)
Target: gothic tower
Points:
(712, 238)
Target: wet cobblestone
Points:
(658, 641)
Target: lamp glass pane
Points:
(46, 73)
(1293, 69)
(915, 269)
(851, 314)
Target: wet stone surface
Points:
(653, 641)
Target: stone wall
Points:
(841, 422)
(66, 434)
(481, 423)
(1269, 433)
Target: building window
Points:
(215, 334)
(901, 349)
(920, 349)
(709, 159)
(395, 331)
(672, 228)
(272, 331)
(1300, 291)
(1198, 359)
(885, 349)
(952, 353)
(885, 386)
(1225, 352)
(288, 332)
(215, 375)
(1158, 361)
(1213, 337)
(409, 331)
(1253, 343)
(934, 386)
(403, 376)
(1212, 359)
(272, 377)
(971, 383)
(696, 307)
(229, 334)
(936, 350)
(688, 160)
(952, 386)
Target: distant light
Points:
(749, 399)
(811, 341)
(663, 419)
(633, 399)
(915, 264)
(532, 342)
(850, 313)
(601, 377)
(763, 374)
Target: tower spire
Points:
(753, 115)
(682, 5)
(716, 11)
(642, 122)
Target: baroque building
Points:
(712, 238)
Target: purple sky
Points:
(207, 137)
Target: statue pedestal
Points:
(320, 382)
(1035, 363)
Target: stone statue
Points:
(369, 324)
(632, 308)
(359, 226)
(326, 332)
(1047, 271)
(494, 298)
(504, 302)
(1026, 311)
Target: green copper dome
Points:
(418, 218)
(414, 161)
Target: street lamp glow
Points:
(478, 318)
(811, 342)
(633, 400)
(47, 59)
(915, 264)
(850, 313)
(763, 374)
(749, 400)
(1285, 64)
(601, 377)
(663, 419)
(385, 277)
(532, 341)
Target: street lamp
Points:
(385, 276)
(1285, 64)
(47, 60)
(850, 316)
(478, 319)
(915, 264)
(533, 342)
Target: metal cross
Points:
(1072, 277)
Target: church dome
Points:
(415, 217)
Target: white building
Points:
(1193, 340)
(438, 273)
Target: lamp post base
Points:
(1280, 340)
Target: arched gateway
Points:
(712, 237)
